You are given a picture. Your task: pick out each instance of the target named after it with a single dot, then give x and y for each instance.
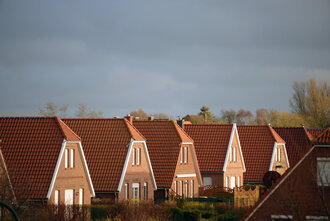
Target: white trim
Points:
(317, 217)
(286, 154)
(192, 188)
(138, 156)
(273, 156)
(228, 153)
(133, 156)
(185, 175)
(66, 158)
(127, 160)
(185, 155)
(189, 143)
(181, 154)
(323, 158)
(279, 184)
(240, 149)
(281, 216)
(56, 169)
(72, 158)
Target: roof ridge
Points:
(62, 127)
(275, 135)
(129, 125)
(309, 136)
(317, 139)
(176, 127)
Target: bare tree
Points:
(161, 116)
(262, 116)
(82, 111)
(50, 110)
(139, 114)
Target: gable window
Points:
(126, 190)
(186, 188)
(181, 155)
(230, 154)
(175, 188)
(81, 197)
(56, 197)
(181, 188)
(323, 171)
(238, 181)
(71, 158)
(185, 155)
(66, 153)
(136, 190)
(234, 153)
(133, 156)
(138, 156)
(226, 182)
(278, 154)
(192, 188)
(232, 182)
(281, 217)
(145, 190)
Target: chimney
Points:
(151, 117)
(129, 118)
(181, 123)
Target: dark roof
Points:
(211, 144)
(297, 141)
(30, 147)
(257, 143)
(163, 140)
(105, 143)
(323, 138)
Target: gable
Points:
(279, 161)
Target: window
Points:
(145, 190)
(126, 191)
(323, 171)
(138, 156)
(175, 188)
(226, 182)
(181, 188)
(56, 197)
(280, 217)
(207, 181)
(66, 158)
(68, 197)
(136, 190)
(234, 153)
(317, 218)
(238, 181)
(232, 182)
(133, 156)
(192, 188)
(186, 188)
(185, 155)
(278, 154)
(230, 154)
(181, 156)
(72, 158)
(81, 197)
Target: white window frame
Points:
(135, 187)
(238, 181)
(175, 188)
(138, 155)
(186, 188)
(185, 155)
(321, 218)
(66, 193)
(72, 158)
(323, 171)
(226, 182)
(56, 197)
(181, 155)
(192, 188)
(276, 217)
(66, 156)
(279, 154)
(81, 197)
(133, 156)
(126, 191)
(181, 188)
(276, 155)
(230, 154)
(234, 150)
(232, 178)
(145, 191)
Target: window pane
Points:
(66, 158)
(72, 158)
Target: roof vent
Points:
(151, 118)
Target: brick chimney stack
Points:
(129, 118)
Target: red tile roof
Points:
(315, 131)
(323, 138)
(257, 144)
(30, 148)
(163, 140)
(297, 141)
(105, 143)
(211, 144)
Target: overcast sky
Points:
(169, 56)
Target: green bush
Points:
(191, 215)
(99, 212)
(177, 214)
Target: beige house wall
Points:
(138, 174)
(72, 178)
(186, 168)
(282, 165)
(234, 168)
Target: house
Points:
(118, 158)
(44, 161)
(297, 141)
(263, 150)
(303, 192)
(219, 154)
(173, 158)
(315, 132)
